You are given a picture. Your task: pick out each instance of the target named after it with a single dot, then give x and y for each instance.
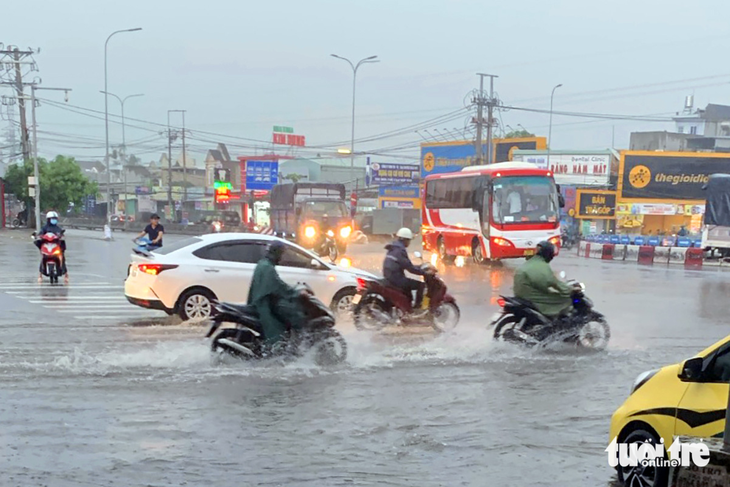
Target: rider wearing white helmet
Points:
(397, 262)
(52, 226)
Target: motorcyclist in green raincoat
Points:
(535, 282)
(275, 301)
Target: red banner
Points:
(289, 139)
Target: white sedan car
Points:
(185, 277)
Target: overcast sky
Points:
(240, 67)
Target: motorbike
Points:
(329, 246)
(216, 227)
(51, 255)
(377, 304)
(245, 340)
(567, 240)
(520, 322)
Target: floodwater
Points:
(96, 393)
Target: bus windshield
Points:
(320, 209)
(524, 199)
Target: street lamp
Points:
(124, 140)
(371, 59)
(106, 122)
(550, 126)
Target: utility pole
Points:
(17, 56)
(185, 166)
(490, 103)
(170, 138)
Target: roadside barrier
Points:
(607, 251)
(694, 257)
(632, 253)
(646, 254)
(661, 255)
(690, 257)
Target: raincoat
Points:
(535, 282)
(274, 301)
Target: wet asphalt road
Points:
(96, 392)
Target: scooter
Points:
(329, 246)
(51, 255)
(246, 340)
(143, 246)
(378, 305)
(520, 322)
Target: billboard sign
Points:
(503, 147)
(578, 169)
(446, 157)
(593, 204)
(289, 139)
(393, 174)
(261, 175)
(646, 176)
(399, 197)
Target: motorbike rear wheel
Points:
(370, 314)
(594, 334)
(333, 253)
(446, 317)
(330, 348)
(504, 329)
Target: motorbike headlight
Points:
(330, 233)
(310, 231)
(642, 379)
(345, 231)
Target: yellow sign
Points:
(639, 176)
(429, 161)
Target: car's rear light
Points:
(502, 242)
(501, 302)
(155, 269)
(361, 283)
(555, 241)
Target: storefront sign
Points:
(391, 174)
(399, 197)
(655, 176)
(584, 170)
(596, 204)
(660, 209)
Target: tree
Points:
(517, 134)
(61, 180)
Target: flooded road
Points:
(97, 392)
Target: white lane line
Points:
(86, 294)
(70, 286)
(78, 300)
(82, 306)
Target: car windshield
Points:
(168, 249)
(319, 209)
(524, 199)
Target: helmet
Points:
(546, 250)
(51, 214)
(404, 233)
(275, 251)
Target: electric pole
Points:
(481, 101)
(185, 166)
(17, 57)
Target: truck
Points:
(314, 215)
(716, 228)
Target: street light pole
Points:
(124, 142)
(169, 160)
(550, 126)
(106, 122)
(371, 59)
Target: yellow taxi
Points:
(688, 398)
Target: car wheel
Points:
(196, 304)
(342, 303)
(641, 476)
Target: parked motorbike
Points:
(51, 255)
(520, 322)
(378, 305)
(245, 341)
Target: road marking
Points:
(77, 300)
(70, 286)
(88, 306)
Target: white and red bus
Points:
(490, 212)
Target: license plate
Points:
(356, 298)
(529, 252)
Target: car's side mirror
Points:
(418, 255)
(315, 264)
(691, 370)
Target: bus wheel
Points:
(443, 256)
(477, 253)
